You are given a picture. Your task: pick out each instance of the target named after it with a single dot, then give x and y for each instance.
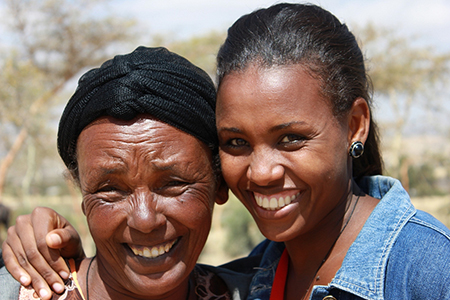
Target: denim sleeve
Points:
(419, 264)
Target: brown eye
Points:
(107, 189)
(291, 138)
(176, 183)
(237, 142)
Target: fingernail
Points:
(43, 293)
(55, 239)
(57, 287)
(24, 280)
(64, 274)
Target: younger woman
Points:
(299, 148)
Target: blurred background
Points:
(45, 45)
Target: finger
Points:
(44, 221)
(33, 257)
(12, 264)
(65, 238)
(17, 264)
(67, 241)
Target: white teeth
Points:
(274, 203)
(152, 252)
(259, 201)
(281, 202)
(288, 199)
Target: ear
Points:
(83, 208)
(221, 192)
(359, 121)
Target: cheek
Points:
(233, 169)
(193, 211)
(104, 219)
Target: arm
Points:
(34, 249)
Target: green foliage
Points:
(406, 76)
(54, 41)
(398, 63)
(242, 234)
(61, 37)
(423, 181)
(431, 176)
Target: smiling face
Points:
(148, 195)
(283, 153)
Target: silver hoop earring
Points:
(356, 149)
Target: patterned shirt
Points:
(208, 286)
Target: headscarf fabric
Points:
(151, 81)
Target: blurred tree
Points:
(423, 181)
(406, 74)
(200, 50)
(242, 233)
(51, 42)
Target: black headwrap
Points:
(153, 81)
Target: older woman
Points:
(139, 139)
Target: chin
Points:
(159, 285)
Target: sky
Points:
(428, 20)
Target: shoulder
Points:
(235, 276)
(422, 233)
(419, 261)
(9, 287)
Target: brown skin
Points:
(278, 137)
(145, 184)
(34, 246)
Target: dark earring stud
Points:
(356, 149)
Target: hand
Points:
(34, 248)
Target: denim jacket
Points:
(400, 253)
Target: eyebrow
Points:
(102, 171)
(230, 129)
(271, 130)
(286, 125)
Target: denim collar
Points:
(363, 270)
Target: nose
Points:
(264, 168)
(144, 214)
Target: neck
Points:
(316, 256)
(101, 286)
